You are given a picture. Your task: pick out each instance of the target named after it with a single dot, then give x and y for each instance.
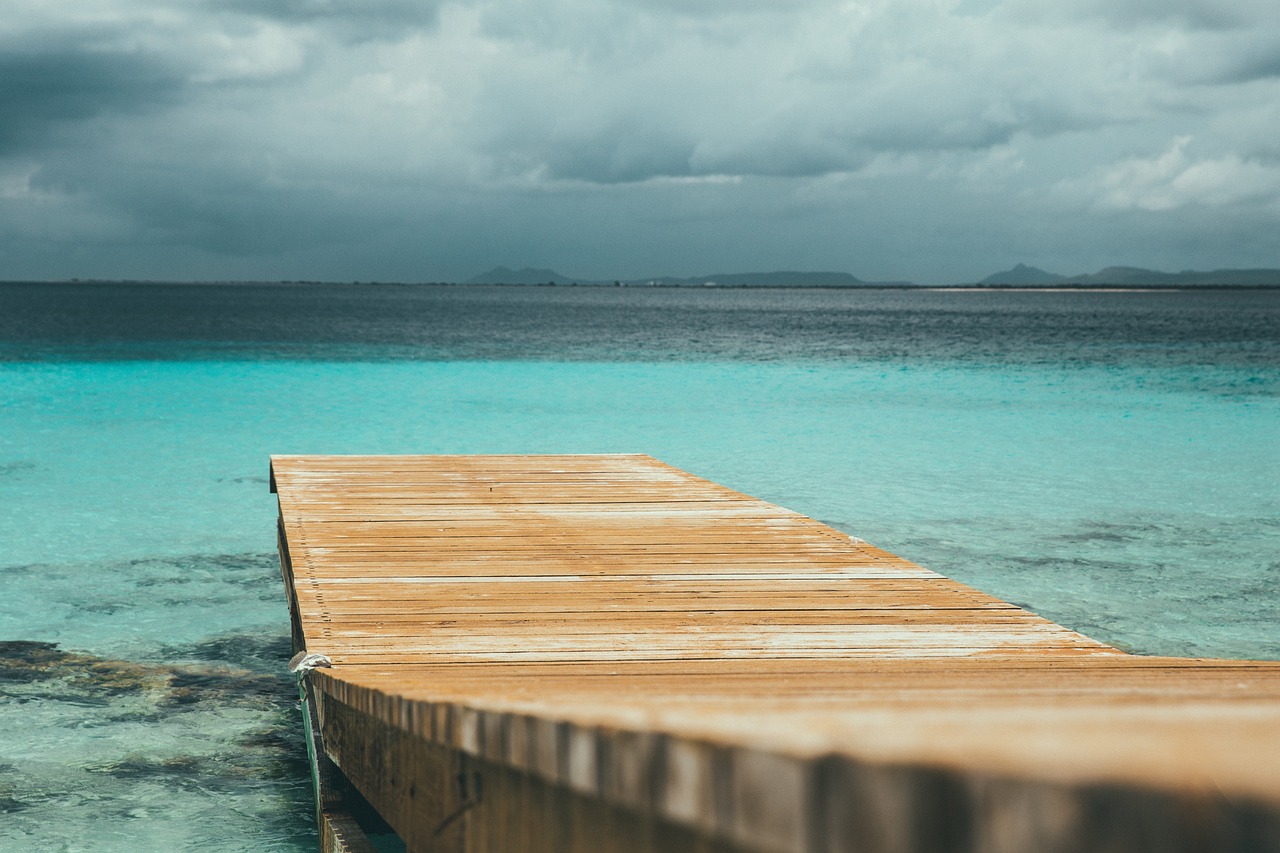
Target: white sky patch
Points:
(257, 52)
(1173, 180)
(706, 180)
(15, 182)
(993, 168)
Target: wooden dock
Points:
(605, 653)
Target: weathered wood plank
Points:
(628, 657)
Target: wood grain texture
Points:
(619, 630)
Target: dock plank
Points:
(641, 659)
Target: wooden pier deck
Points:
(605, 653)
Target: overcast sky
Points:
(934, 140)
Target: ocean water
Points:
(1109, 460)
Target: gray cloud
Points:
(617, 154)
(564, 133)
(1185, 14)
(351, 20)
(59, 80)
(1248, 63)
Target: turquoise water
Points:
(1129, 496)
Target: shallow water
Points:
(1109, 460)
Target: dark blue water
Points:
(93, 321)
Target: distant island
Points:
(781, 278)
(1137, 277)
(1023, 275)
(1020, 276)
(1238, 278)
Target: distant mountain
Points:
(1023, 274)
(506, 275)
(1020, 276)
(1138, 277)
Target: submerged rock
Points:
(9, 804)
(28, 660)
(140, 766)
(32, 669)
(71, 676)
(257, 758)
(249, 651)
(191, 728)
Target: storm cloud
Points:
(58, 82)
(936, 140)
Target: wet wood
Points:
(621, 651)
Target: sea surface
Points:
(1110, 460)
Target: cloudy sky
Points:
(935, 140)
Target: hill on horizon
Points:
(1020, 275)
(1023, 274)
(1137, 276)
(1121, 276)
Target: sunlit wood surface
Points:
(636, 634)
